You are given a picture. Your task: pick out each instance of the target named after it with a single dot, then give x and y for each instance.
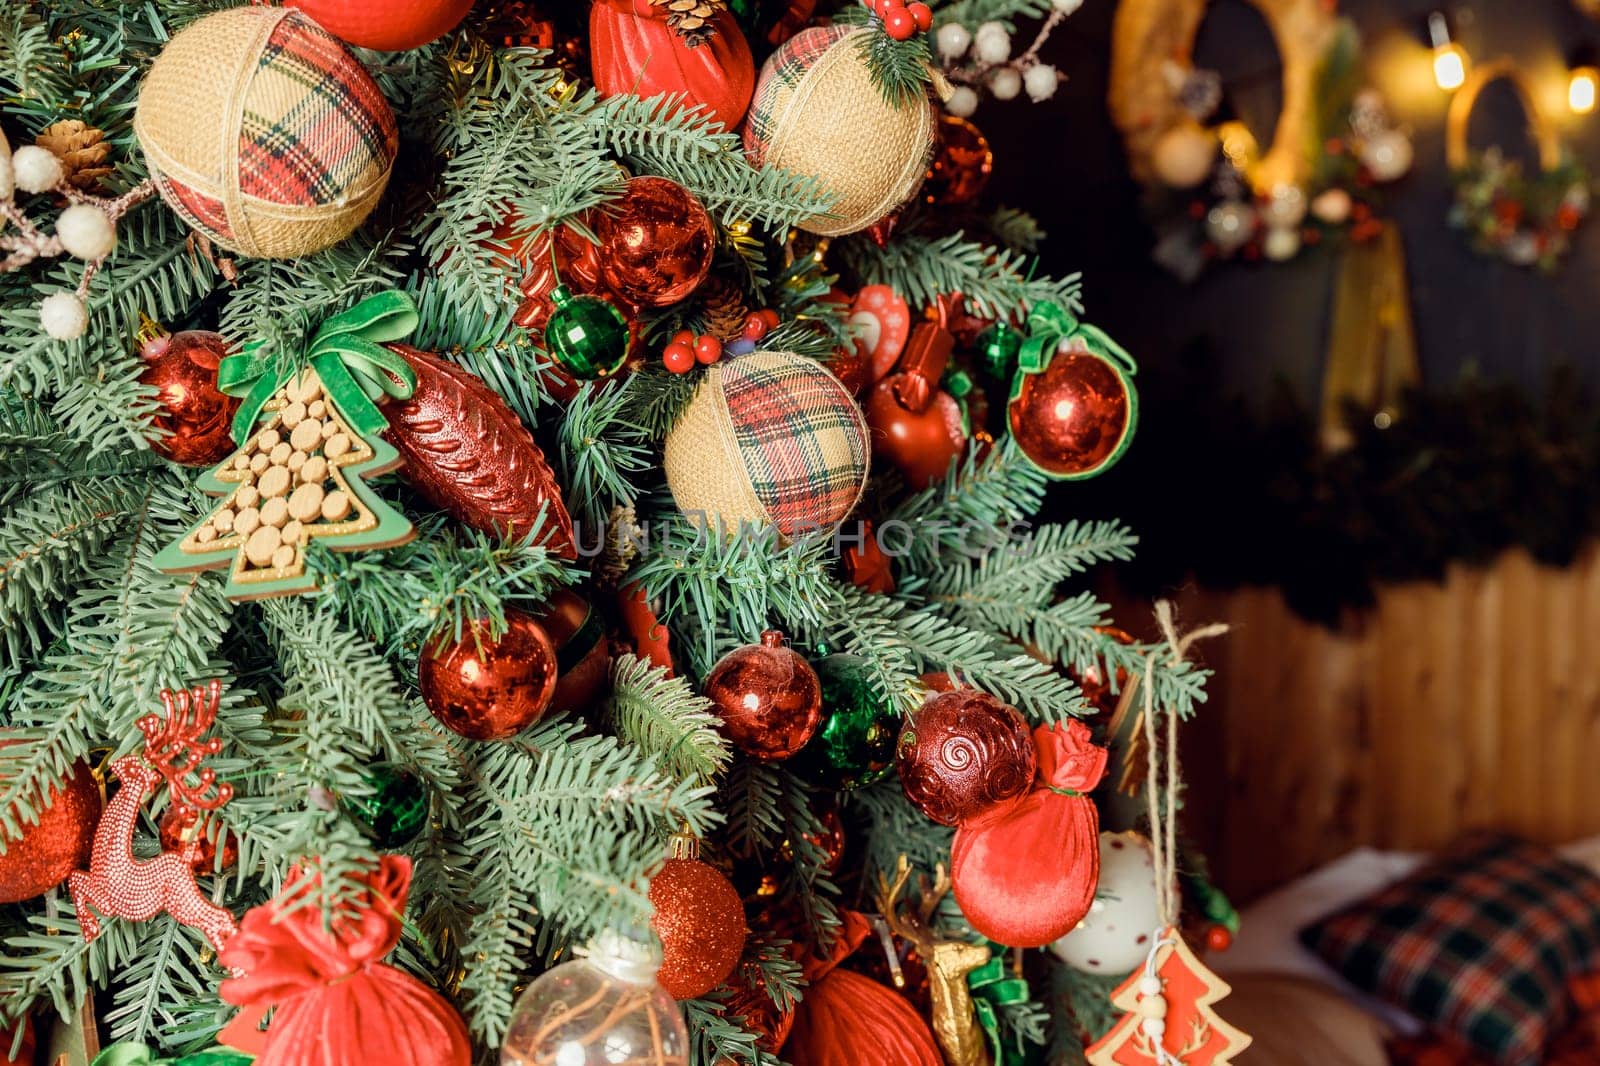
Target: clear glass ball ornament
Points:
(603, 1010)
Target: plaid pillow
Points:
(1480, 944)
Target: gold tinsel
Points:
(82, 149)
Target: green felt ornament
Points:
(855, 744)
(397, 809)
(587, 335)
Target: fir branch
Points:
(995, 281)
(973, 13)
(750, 796)
(656, 399)
(441, 581)
(1017, 230)
(810, 884)
(980, 504)
(662, 716)
(602, 452)
(720, 587)
(49, 542)
(1027, 568)
(49, 959)
(900, 70)
(715, 1038)
(172, 975)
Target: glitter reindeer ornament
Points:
(117, 884)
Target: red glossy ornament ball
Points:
(485, 687)
(700, 920)
(900, 24)
(922, 14)
(195, 414)
(176, 831)
(962, 752)
(707, 350)
(59, 844)
(962, 163)
(922, 444)
(1218, 938)
(768, 697)
(1074, 418)
(583, 654)
(385, 25)
(655, 244)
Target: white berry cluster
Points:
(983, 59)
(86, 229)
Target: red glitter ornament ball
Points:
(1075, 418)
(962, 752)
(768, 697)
(700, 920)
(385, 25)
(176, 830)
(489, 688)
(583, 654)
(195, 414)
(59, 844)
(962, 163)
(656, 244)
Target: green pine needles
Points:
(532, 844)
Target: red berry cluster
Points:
(686, 349)
(900, 19)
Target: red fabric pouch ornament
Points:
(1025, 870)
(846, 1018)
(640, 54)
(337, 1003)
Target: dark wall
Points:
(1268, 322)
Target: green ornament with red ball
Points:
(1073, 407)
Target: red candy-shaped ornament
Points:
(963, 752)
(768, 696)
(638, 52)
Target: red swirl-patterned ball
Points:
(487, 687)
(195, 416)
(655, 243)
(700, 920)
(58, 844)
(768, 696)
(962, 752)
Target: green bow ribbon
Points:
(1049, 327)
(994, 987)
(348, 356)
(128, 1054)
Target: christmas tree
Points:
(704, 614)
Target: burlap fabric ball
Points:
(769, 437)
(816, 112)
(264, 133)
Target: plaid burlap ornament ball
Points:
(264, 133)
(769, 437)
(816, 111)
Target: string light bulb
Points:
(1449, 58)
(1583, 84)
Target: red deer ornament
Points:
(117, 884)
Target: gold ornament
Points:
(955, 1021)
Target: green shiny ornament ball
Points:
(855, 744)
(396, 811)
(587, 335)
(997, 350)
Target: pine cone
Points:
(82, 149)
(725, 309)
(692, 18)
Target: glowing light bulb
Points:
(1449, 67)
(1449, 58)
(1583, 90)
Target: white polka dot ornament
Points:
(1114, 937)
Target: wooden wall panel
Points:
(1471, 703)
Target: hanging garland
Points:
(1213, 193)
(1526, 219)
(1459, 475)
